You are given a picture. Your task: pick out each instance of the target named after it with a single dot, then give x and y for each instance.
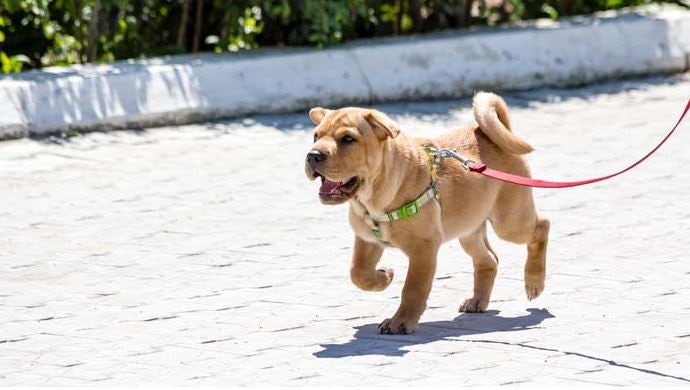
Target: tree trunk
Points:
(197, 25)
(93, 32)
(416, 14)
(397, 28)
(224, 30)
(465, 13)
(184, 20)
(79, 33)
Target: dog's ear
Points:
(317, 114)
(382, 125)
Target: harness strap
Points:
(434, 162)
(410, 209)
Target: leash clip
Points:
(466, 162)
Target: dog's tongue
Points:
(329, 187)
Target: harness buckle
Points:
(410, 209)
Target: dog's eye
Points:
(347, 140)
(316, 137)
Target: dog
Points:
(363, 158)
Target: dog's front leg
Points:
(420, 276)
(363, 270)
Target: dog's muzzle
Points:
(315, 157)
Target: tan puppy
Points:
(362, 158)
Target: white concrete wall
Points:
(123, 94)
(521, 58)
(187, 89)
(12, 124)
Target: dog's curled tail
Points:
(491, 113)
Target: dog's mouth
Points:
(336, 191)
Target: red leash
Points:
(526, 181)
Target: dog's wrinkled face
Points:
(347, 149)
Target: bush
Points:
(37, 33)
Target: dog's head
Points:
(347, 150)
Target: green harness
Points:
(410, 209)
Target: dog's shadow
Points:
(367, 340)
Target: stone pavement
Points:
(201, 255)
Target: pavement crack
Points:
(286, 329)
(13, 340)
(589, 371)
(257, 245)
(624, 345)
(214, 294)
(230, 308)
(158, 318)
(582, 355)
(217, 340)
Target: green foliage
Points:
(12, 64)
(38, 33)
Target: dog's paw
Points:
(397, 325)
(388, 275)
(474, 305)
(533, 286)
(372, 281)
(534, 279)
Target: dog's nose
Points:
(315, 157)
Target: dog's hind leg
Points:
(518, 222)
(363, 270)
(485, 264)
(535, 267)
